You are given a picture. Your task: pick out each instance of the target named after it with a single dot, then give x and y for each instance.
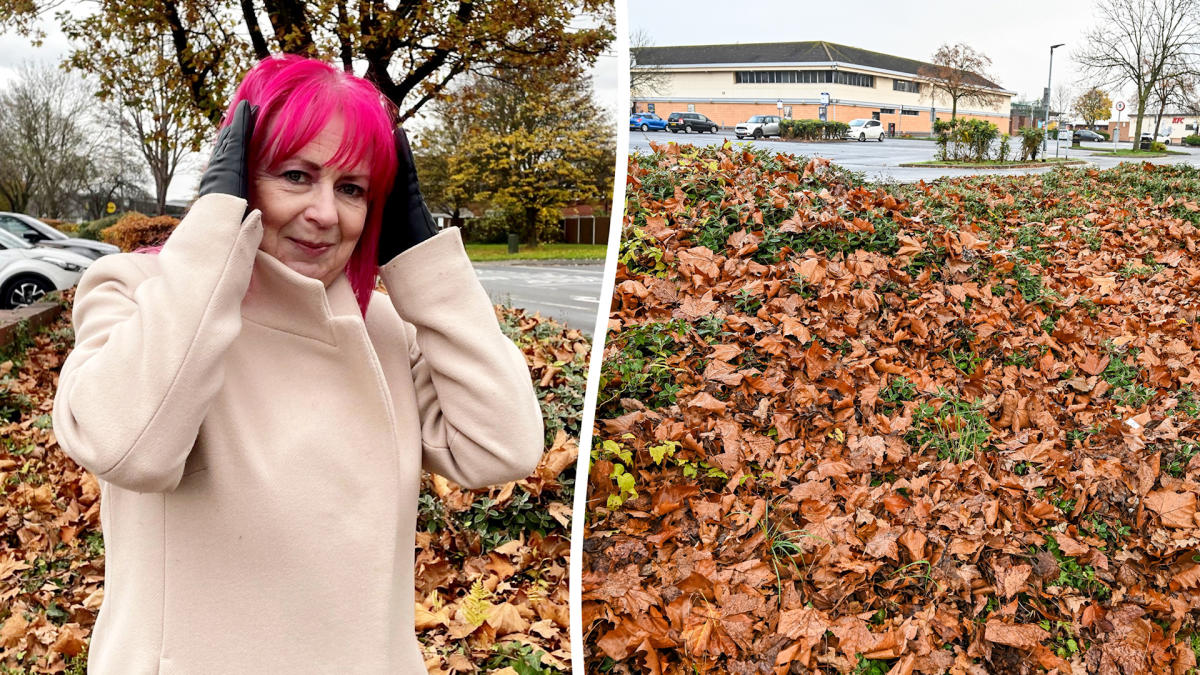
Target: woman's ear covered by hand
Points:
(406, 219)
(227, 171)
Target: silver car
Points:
(38, 233)
(758, 126)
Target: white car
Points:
(28, 272)
(36, 232)
(864, 129)
(758, 126)
(1164, 135)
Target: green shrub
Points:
(1107, 136)
(1193, 140)
(1003, 150)
(834, 130)
(1158, 147)
(93, 228)
(1031, 142)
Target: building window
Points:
(856, 79)
(787, 112)
(802, 77)
(691, 107)
(782, 76)
(910, 112)
(887, 111)
(906, 85)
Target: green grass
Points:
(991, 163)
(1138, 153)
(956, 430)
(494, 252)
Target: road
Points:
(880, 161)
(569, 293)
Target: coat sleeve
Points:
(149, 348)
(481, 423)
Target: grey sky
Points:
(1016, 36)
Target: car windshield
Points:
(9, 240)
(759, 118)
(858, 123)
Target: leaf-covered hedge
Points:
(134, 230)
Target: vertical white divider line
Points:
(616, 220)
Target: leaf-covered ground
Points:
(946, 428)
(491, 564)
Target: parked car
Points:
(688, 121)
(862, 129)
(1164, 137)
(38, 233)
(758, 126)
(28, 272)
(1086, 135)
(647, 121)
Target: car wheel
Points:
(757, 134)
(880, 138)
(674, 131)
(645, 127)
(24, 290)
(716, 129)
(862, 137)
(740, 136)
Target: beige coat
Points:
(260, 445)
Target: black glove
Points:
(227, 172)
(406, 219)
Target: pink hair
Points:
(296, 98)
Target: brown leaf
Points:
(1022, 636)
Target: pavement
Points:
(881, 161)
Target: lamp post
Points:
(1046, 117)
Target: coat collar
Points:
(281, 298)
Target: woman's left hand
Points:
(406, 219)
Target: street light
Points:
(1046, 117)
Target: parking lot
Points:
(881, 161)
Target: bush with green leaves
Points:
(93, 228)
(1031, 143)
(1193, 140)
(963, 139)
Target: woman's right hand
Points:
(227, 171)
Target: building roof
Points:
(784, 52)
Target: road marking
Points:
(515, 301)
(586, 298)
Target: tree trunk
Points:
(1143, 99)
(953, 107)
(531, 237)
(256, 37)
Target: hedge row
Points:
(134, 230)
(812, 130)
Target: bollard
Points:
(513, 241)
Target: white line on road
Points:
(518, 302)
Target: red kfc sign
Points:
(1176, 120)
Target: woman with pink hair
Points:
(258, 416)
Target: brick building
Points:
(729, 83)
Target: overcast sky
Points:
(1016, 36)
(15, 50)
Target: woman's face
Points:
(312, 214)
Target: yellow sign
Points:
(111, 208)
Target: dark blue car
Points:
(647, 122)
